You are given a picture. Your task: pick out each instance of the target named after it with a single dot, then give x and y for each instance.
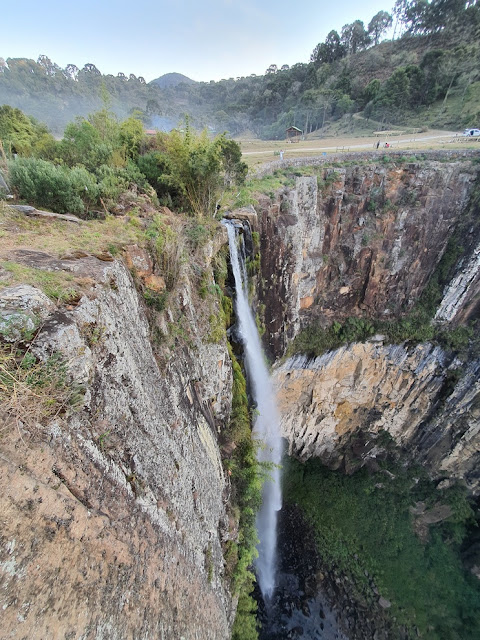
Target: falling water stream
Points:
(291, 604)
(266, 428)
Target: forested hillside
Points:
(428, 74)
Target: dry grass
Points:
(32, 392)
(259, 151)
(56, 236)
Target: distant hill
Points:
(428, 77)
(172, 80)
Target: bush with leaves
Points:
(113, 181)
(20, 133)
(83, 145)
(155, 166)
(45, 184)
(201, 168)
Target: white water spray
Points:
(267, 423)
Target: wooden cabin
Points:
(293, 134)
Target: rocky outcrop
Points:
(461, 295)
(113, 513)
(339, 407)
(356, 241)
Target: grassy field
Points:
(258, 151)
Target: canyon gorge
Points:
(118, 510)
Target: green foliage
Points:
(245, 626)
(83, 145)
(166, 248)
(220, 268)
(197, 234)
(425, 582)
(239, 428)
(253, 265)
(156, 167)
(92, 165)
(247, 476)
(21, 134)
(227, 308)
(154, 299)
(204, 283)
(315, 340)
(113, 181)
(217, 328)
(199, 167)
(54, 187)
(235, 171)
(131, 136)
(106, 123)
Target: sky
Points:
(204, 39)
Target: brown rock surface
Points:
(113, 512)
(336, 406)
(363, 241)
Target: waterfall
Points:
(267, 424)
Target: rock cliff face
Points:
(339, 406)
(360, 240)
(113, 515)
(363, 241)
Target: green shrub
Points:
(61, 189)
(166, 248)
(245, 626)
(253, 265)
(83, 145)
(197, 234)
(154, 299)
(113, 181)
(425, 581)
(227, 308)
(156, 167)
(315, 340)
(217, 328)
(220, 268)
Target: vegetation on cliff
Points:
(247, 484)
(100, 158)
(418, 570)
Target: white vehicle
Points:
(471, 132)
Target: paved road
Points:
(368, 145)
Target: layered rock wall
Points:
(364, 241)
(356, 241)
(113, 514)
(339, 406)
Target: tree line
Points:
(100, 157)
(437, 56)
